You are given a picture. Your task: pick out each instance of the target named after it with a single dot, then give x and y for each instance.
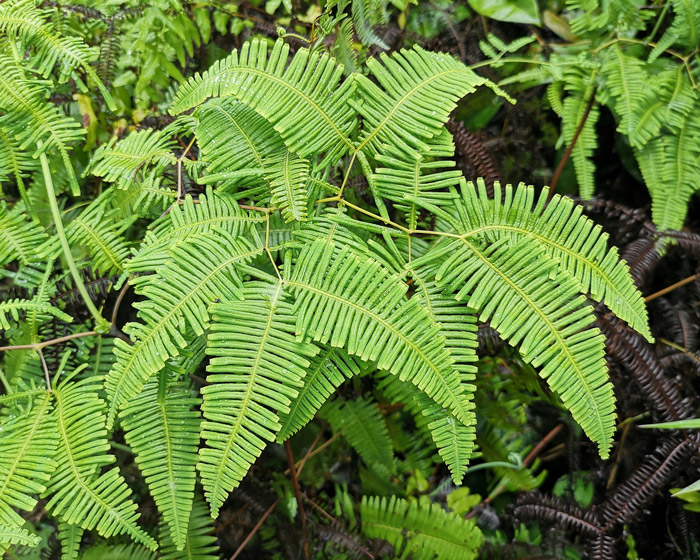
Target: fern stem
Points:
(297, 495)
(40, 345)
(101, 324)
(254, 530)
(670, 288)
(3, 379)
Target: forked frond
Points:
(352, 302)
(162, 427)
(256, 368)
(519, 289)
(304, 100)
(420, 531)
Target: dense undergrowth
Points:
(265, 292)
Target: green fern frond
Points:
(256, 369)
(414, 183)
(147, 199)
(70, 537)
(288, 175)
(362, 425)
(420, 531)
(79, 494)
(211, 212)
(27, 462)
(417, 92)
(227, 126)
(201, 269)
(684, 30)
(12, 309)
(304, 100)
(17, 535)
(22, 20)
(670, 165)
(162, 427)
(364, 18)
(327, 370)
(14, 162)
(354, 303)
(200, 543)
(576, 105)
(579, 246)
(19, 238)
(119, 162)
(516, 287)
(117, 552)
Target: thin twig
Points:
(670, 288)
(46, 370)
(297, 494)
(120, 297)
(569, 149)
(40, 345)
(254, 530)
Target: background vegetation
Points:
(93, 109)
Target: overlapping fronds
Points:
(19, 238)
(165, 438)
(579, 246)
(325, 373)
(78, 493)
(320, 119)
(255, 370)
(417, 91)
(209, 213)
(353, 302)
(200, 270)
(518, 288)
(200, 543)
(419, 531)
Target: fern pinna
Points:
(263, 265)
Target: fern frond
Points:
(119, 162)
(363, 427)
(577, 106)
(354, 303)
(518, 289)
(327, 370)
(200, 543)
(414, 183)
(22, 20)
(70, 537)
(79, 494)
(304, 100)
(288, 175)
(19, 238)
(684, 30)
(211, 212)
(28, 446)
(162, 428)
(14, 162)
(670, 165)
(13, 308)
(419, 90)
(256, 369)
(117, 552)
(17, 535)
(227, 126)
(202, 268)
(579, 246)
(420, 531)
(364, 19)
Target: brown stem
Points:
(254, 529)
(297, 494)
(671, 288)
(569, 149)
(40, 345)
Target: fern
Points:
(418, 530)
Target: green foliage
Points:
(650, 86)
(214, 238)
